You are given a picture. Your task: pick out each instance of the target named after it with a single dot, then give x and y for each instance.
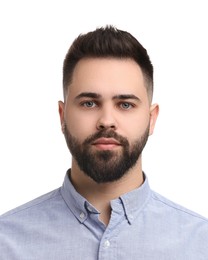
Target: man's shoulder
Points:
(33, 205)
(170, 207)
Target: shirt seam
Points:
(31, 206)
(180, 209)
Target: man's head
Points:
(108, 42)
(107, 115)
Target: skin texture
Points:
(107, 94)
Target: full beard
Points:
(106, 165)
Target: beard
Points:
(106, 165)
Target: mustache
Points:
(107, 134)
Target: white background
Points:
(34, 37)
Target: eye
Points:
(125, 105)
(89, 104)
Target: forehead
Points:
(107, 76)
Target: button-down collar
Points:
(132, 202)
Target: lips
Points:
(106, 143)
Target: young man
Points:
(105, 208)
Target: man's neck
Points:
(100, 195)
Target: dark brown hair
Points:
(106, 42)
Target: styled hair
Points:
(107, 42)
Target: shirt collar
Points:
(133, 202)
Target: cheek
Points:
(136, 130)
(134, 127)
(80, 126)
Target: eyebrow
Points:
(88, 94)
(126, 96)
(98, 96)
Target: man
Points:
(105, 208)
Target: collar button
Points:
(82, 215)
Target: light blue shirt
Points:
(63, 225)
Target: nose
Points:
(106, 120)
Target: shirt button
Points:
(107, 244)
(82, 215)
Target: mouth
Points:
(106, 143)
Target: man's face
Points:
(107, 118)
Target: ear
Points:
(61, 107)
(154, 111)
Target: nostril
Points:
(101, 126)
(106, 124)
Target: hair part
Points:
(107, 42)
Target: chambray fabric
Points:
(62, 225)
